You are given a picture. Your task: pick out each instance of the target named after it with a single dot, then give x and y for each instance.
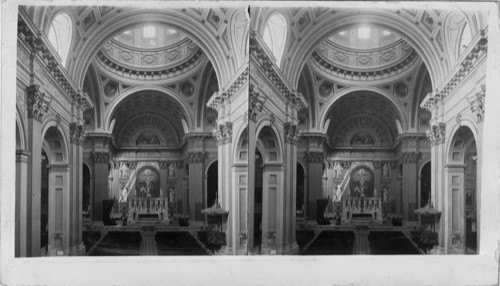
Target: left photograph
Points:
(131, 134)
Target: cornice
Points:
(40, 47)
(468, 62)
(260, 55)
(218, 98)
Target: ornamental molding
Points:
(468, 64)
(41, 48)
(100, 157)
(373, 59)
(436, 134)
(102, 140)
(149, 59)
(38, 102)
(315, 157)
(369, 75)
(218, 98)
(256, 102)
(260, 55)
(410, 157)
(138, 73)
(476, 103)
(196, 157)
(223, 133)
(292, 133)
(77, 133)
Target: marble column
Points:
(290, 191)
(77, 132)
(38, 105)
(196, 177)
(22, 246)
(410, 181)
(314, 179)
(100, 172)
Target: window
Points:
(149, 32)
(466, 38)
(364, 32)
(275, 34)
(60, 34)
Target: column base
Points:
(225, 250)
(291, 249)
(77, 250)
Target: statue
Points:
(123, 195)
(385, 170)
(338, 193)
(385, 194)
(171, 195)
(338, 170)
(171, 170)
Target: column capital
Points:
(100, 157)
(256, 102)
(315, 157)
(196, 157)
(77, 133)
(410, 157)
(436, 133)
(38, 102)
(476, 103)
(224, 133)
(292, 133)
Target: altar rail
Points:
(150, 206)
(351, 205)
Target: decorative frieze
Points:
(77, 133)
(476, 103)
(410, 157)
(100, 157)
(97, 140)
(315, 157)
(224, 133)
(38, 102)
(436, 134)
(260, 54)
(292, 133)
(469, 62)
(40, 48)
(372, 75)
(196, 157)
(220, 97)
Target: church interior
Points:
(249, 130)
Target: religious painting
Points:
(148, 183)
(361, 184)
(147, 138)
(362, 138)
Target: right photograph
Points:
(365, 130)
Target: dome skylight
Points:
(149, 36)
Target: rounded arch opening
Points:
(60, 34)
(462, 156)
(275, 35)
(385, 19)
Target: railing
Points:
(351, 205)
(138, 206)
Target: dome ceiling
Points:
(364, 37)
(149, 36)
(370, 105)
(159, 112)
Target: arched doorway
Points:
(54, 199)
(300, 197)
(425, 184)
(257, 221)
(462, 184)
(86, 192)
(44, 207)
(212, 184)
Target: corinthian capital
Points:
(38, 102)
